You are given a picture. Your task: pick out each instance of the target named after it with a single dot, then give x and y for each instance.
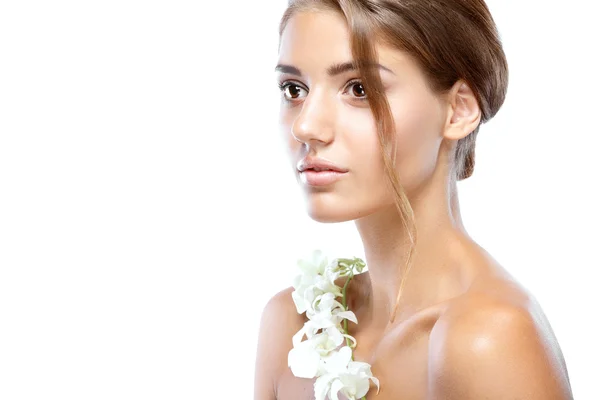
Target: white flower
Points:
(319, 355)
(329, 312)
(351, 378)
(357, 379)
(317, 277)
(305, 358)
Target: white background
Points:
(148, 212)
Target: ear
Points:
(464, 113)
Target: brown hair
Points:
(449, 40)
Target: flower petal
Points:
(301, 304)
(361, 387)
(376, 382)
(322, 386)
(303, 361)
(297, 338)
(338, 361)
(351, 338)
(336, 336)
(349, 315)
(336, 386)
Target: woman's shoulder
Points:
(280, 311)
(279, 321)
(281, 318)
(498, 332)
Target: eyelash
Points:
(285, 84)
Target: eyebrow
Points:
(333, 70)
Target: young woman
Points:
(389, 96)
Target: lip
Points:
(322, 178)
(320, 163)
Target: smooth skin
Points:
(464, 328)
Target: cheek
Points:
(418, 140)
(361, 143)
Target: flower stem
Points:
(350, 276)
(346, 308)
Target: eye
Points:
(357, 89)
(291, 91)
(292, 88)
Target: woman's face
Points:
(328, 116)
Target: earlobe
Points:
(464, 110)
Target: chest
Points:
(399, 362)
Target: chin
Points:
(329, 214)
(327, 218)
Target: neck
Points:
(434, 269)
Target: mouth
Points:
(314, 177)
(322, 169)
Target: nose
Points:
(315, 121)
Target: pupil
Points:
(293, 88)
(361, 90)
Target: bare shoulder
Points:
(280, 311)
(279, 321)
(495, 342)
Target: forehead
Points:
(313, 40)
(314, 34)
